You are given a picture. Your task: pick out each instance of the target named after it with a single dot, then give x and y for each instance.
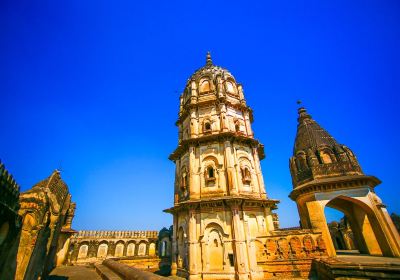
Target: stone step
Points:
(106, 273)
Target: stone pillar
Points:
(248, 124)
(232, 185)
(239, 244)
(317, 220)
(224, 124)
(194, 184)
(394, 237)
(261, 186)
(193, 243)
(174, 248)
(364, 227)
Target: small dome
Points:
(210, 70)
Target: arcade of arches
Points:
(92, 246)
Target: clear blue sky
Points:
(93, 87)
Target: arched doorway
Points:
(119, 249)
(83, 250)
(181, 248)
(367, 232)
(340, 231)
(102, 251)
(130, 251)
(216, 251)
(142, 249)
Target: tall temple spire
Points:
(208, 59)
(310, 135)
(316, 154)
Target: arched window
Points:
(237, 126)
(230, 88)
(246, 175)
(301, 161)
(207, 126)
(210, 173)
(325, 157)
(204, 86)
(184, 180)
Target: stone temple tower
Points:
(220, 203)
(326, 173)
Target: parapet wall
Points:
(95, 234)
(9, 189)
(289, 253)
(90, 246)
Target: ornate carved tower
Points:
(220, 203)
(326, 173)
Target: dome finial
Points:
(302, 112)
(208, 60)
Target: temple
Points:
(224, 224)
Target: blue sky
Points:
(92, 87)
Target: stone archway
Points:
(83, 251)
(369, 236)
(119, 249)
(181, 248)
(372, 227)
(102, 251)
(130, 251)
(142, 249)
(216, 251)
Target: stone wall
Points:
(95, 246)
(289, 253)
(10, 223)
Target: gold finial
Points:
(208, 60)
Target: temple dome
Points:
(310, 135)
(317, 155)
(210, 70)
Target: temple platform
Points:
(347, 265)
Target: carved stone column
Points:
(230, 169)
(193, 243)
(239, 243)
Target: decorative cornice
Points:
(217, 101)
(221, 136)
(335, 183)
(223, 202)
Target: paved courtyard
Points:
(74, 273)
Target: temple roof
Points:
(310, 135)
(209, 69)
